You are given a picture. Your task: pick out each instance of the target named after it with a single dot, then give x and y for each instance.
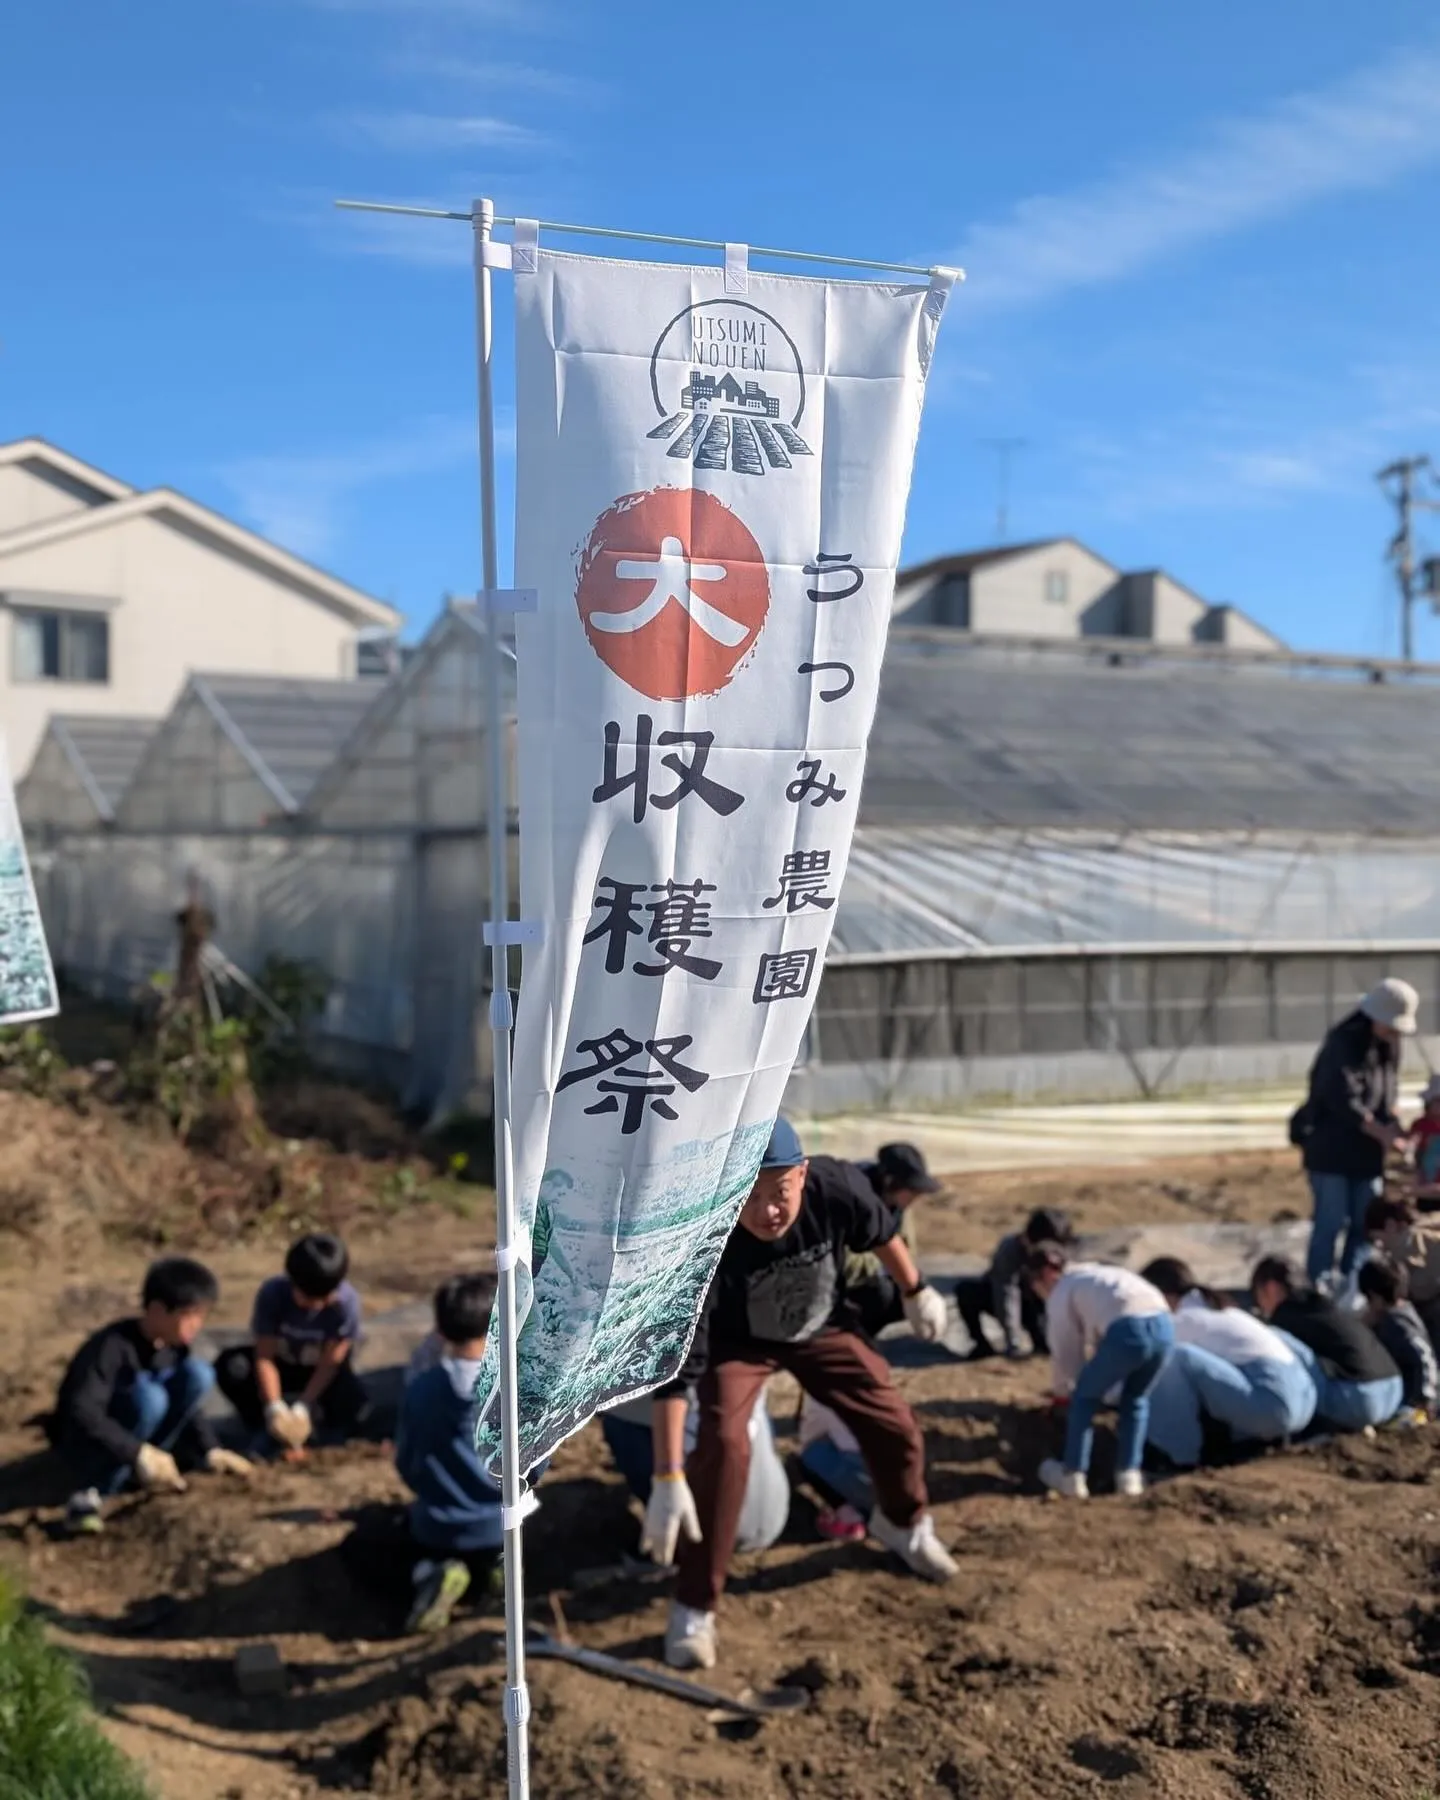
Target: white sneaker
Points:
(1070, 1484)
(690, 1638)
(917, 1546)
(1129, 1483)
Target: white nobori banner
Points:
(27, 981)
(711, 489)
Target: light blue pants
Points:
(1260, 1401)
(1349, 1405)
(843, 1472)
(1130, 1356)
(1340, 1202)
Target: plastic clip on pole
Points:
(517, 1699)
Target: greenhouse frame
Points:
(1081, 869)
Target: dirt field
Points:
(1271, 1632)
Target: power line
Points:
(1398, 481)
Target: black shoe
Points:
(981, 1351)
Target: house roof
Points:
(103, 752)
(287, 728)
(966, 560)
(36, 450)
(181, 513)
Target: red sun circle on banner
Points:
(673, 592)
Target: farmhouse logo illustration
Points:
(729, 387)
(673, 592)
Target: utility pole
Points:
(1398, 481)
(1004, 447)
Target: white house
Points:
(1057, 588)
(110, 597)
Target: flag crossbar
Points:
(660, 237)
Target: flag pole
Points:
(517, 1696)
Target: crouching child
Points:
(450, 1535)
(1108, 1328)
(129, 1408)
(1003, 1293)
(1401, 1330)
(299, 1373)
(1356, 1380)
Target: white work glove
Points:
(928, 1316)
(670, 1510)
(289, 1425)
(157, 1469)
(228, 1462)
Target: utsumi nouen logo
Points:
(729, 388)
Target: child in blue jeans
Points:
(128, 1412)
(1108, 1328)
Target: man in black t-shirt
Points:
(774, 1304)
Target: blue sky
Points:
(1201, 246)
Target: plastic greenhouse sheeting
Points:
(956, 892)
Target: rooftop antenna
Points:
(1004, 448)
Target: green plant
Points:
(191, 1066)
(297, 991)
(29, 1060)
(50, 1745)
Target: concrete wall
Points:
(176, 604)
(1010, 597)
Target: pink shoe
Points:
(842, 1525)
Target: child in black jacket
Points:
(129, 1404)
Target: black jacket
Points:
(1345, 1346)
(1355, 1075)
(104, 1365)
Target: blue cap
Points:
(783, 1151)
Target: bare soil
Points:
(1269, 1632)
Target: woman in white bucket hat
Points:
(1347, 1123)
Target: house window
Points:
(61, 646)
(1057, 586)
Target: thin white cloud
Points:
(1364, 132)
(420, 133)
(492, 11)
(496, 77)
(303, 500)
(1201, 462)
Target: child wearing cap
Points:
(900, 1177)
(776, 1302)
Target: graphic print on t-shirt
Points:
(790, 1301)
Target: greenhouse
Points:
(81, 767)
(1081, 868)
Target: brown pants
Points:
(842, 1372)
